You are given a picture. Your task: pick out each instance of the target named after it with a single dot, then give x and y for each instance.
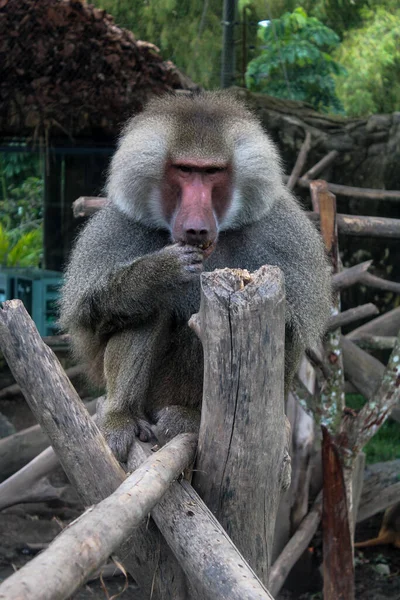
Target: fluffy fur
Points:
(124, 276)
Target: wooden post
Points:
(337, 481)
(243, 463)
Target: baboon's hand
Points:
(120, 431)
(188, 260)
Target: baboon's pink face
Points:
(196, 196)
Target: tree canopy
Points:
(295, 61)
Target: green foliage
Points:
(21, 249)
(21, 210)
(295, 62)
(385, 445)
(371, 55)
(188, 33)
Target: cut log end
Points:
(238, 286)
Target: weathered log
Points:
(349, 276)
(301, 159)
(243, 463)
(295, 547)
(82, 450)
(353, 314)
(214, 566)
(386, 324)
(20, 448)
(201, 556)
(88, 542)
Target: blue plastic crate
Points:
(39, 291)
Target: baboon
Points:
(194, 184)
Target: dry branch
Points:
(88, 542)
(353, 314)
(300, 162)
(338, 565)
(349, 276)
(379, 502)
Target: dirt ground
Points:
(377, 569)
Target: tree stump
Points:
(243, 463)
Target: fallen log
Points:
(381, 488)
(88, 542)
(378, 407)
